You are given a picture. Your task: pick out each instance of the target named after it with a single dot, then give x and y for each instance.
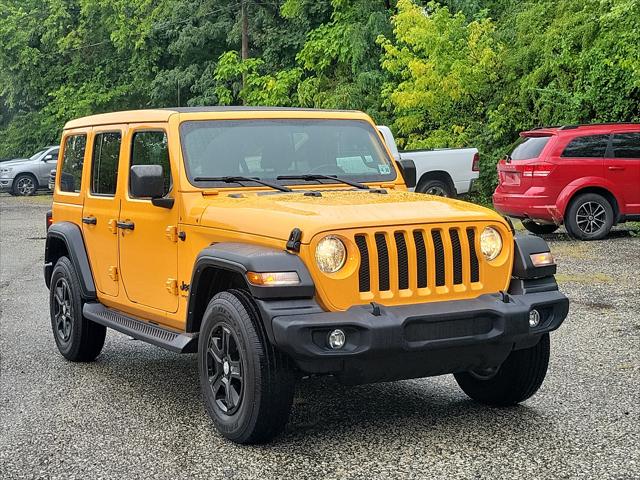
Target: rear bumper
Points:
(391, 343)
(536, 207)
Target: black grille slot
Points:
(383, 262)
(364, 281)
(457, 256)
(421, 258)
(403, 261)
(439, 255)
(475, 265)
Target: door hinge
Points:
(113, 273)
(112, 224)
(171, 233)
(172, 286)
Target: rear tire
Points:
(247, 385)
(589, 217)
(517, 379)
(77, 338)
(435, 187)
(539, 228)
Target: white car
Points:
(446, 172)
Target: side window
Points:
(72, 161)
(591, 146)
(626, 145)
(104, 164)
(151, 148)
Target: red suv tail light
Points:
(475, 165)
(537, 170)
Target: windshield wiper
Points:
(238, 180)
(318, 176)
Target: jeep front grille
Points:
(418, 259)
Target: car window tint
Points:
(529, 147)
(590, 146)
(72, 162)
(104, 170)
(626, 145)
(151, 148)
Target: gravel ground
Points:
(136, 412)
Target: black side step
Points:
(141, 330)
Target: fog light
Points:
(534, 318)
(336, 339)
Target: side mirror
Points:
(147, 181)
(408, 169)
(47, 158)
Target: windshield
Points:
(36, 155)
(529, 147)
(267, 149)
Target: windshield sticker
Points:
(384, 169)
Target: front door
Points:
(102, 207)
(147, 233)
(623, 169)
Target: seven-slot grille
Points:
(419, 255)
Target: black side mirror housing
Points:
(408, 169)
(146, 181)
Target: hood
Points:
(276, 214)
(15, 161)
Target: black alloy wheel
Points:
(63, 310)
(225, 368)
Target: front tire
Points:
(539, 228)
(589, 217)
(24, 185)
(247, 385)
(518, 378)
(78, 339)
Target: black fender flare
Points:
(242, 258)
(71, 235)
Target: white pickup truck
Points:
(446, 172)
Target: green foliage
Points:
(446, 73)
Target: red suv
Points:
(585, 176)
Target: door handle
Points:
(90, 220)
(615, 169)
(125, 225)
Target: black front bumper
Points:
(391, 343)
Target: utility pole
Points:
(245, 31)
(245, 37)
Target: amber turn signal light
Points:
(273, 279)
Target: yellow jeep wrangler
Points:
(281, 243)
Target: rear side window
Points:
(590, 146)
(72, 162)
(626, 145)
(529, 147)
(104, 169)
(151, 148)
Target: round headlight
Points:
(330, 254)
(490, 243)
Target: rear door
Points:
(102, 207)
(623, 169)
(583, 156)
